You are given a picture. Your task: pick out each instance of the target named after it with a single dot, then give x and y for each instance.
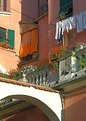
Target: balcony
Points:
(71, 68)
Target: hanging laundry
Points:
(84, 19)
(62, 26)
(80, 21)
(59, 36)
(68, 24)
(56, 35)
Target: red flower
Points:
(55, 54)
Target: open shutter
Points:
(11, 35)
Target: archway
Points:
(46, 99)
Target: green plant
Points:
(82, 61)
(15, 74)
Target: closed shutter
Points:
(11, 36)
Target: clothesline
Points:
(77, 21)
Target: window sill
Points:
(3, 13)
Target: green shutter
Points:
(11, 35)
(2, 35)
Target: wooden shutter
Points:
(11, 35)
(2, 35)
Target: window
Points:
(7, 38)
(4, 5)
(66, 8)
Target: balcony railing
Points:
(41, 76)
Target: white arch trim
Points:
(45, 100)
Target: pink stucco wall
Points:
(43, 38)
(9, 59)
(32, 114)
(29, 10)
(79, 5)
(74, 37)
(75, 107)
(53, 10)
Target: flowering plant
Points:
(55, 54)
(14, 74)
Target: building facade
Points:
(9, 34)
(44, 25)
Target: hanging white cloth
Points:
(68, 24)
(64, 25)
(56, 35)
(58, 30)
